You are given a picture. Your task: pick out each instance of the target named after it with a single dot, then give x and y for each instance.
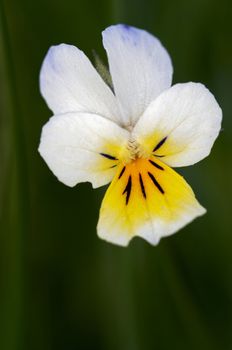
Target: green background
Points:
(60, 286)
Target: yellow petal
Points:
(148, 199)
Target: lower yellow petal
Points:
(148, 199)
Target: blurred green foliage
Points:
(60, 286)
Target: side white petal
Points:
(140, 67)
(70, 83)
(187, 117)
(71, 145)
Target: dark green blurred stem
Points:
(193, 324)
(15, 213)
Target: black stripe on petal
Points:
(155, 182)
(156, 165)
(142, 186)
(128, 189)
(108, 156)
(123, 169)
(160, 144)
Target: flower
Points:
(130, 135)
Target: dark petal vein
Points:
(123, 169)
(156, 182)
(160, 144)
(128, 189)
(142, 186)
(108, 156)
(156, 165)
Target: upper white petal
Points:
(71, 145)
(70, 83)
(189, 116)
(140, 67)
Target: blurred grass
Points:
(63, 288)
(14, 204)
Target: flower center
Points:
(131, 152)
(133, 148)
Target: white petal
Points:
(188, 116)
(69, 83)
(140, 67)
(71, 144)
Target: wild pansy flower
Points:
(130, 135)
